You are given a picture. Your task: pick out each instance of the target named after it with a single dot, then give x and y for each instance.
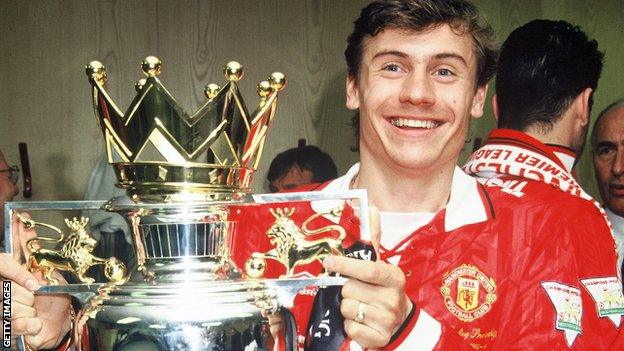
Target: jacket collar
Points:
(561, 155)
(467, 204)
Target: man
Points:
(476, 263)
(299, 166)
(8, 188)
(608, 155)
(418, 70)
(457, 261)
(547, 74)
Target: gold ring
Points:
(359, 317)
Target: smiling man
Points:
(418, 72)
(454, 264)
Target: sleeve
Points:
(423, 332)
(567, 293)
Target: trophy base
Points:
(179, 316)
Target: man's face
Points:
(7, 189)
(609, 160)
(295, 177)
(416, 92)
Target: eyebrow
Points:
(451, 55)
(440, 56)
(390, 53)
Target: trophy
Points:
(213, 263)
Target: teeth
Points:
(413, 123)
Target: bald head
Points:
(608, 156)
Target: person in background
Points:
(305, 164)
(607, 142)
(547, 74)
(41, 331)
(8, 190)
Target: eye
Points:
(445, 72)
(392, 67)
(605, 151)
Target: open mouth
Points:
(408, 123)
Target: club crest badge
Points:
(607, 294)
(468, 293)
(568, 308)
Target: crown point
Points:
(264, 89)
(277, 80)
(151, 66)
(233, 71)
(211, 90)
(138, 86)
(97, 71)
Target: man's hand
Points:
(378, 287)
(44, 320)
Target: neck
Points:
(394, 189)
(562, 132)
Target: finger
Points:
(11, 270)
(391, 300)
(364, 335)
(21, 295)
(19, 310)
(26, 326)
(377, 273)
(375, 228)
(379, 319)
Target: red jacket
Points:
(494, 269)
(562, 242)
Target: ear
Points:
(353, 97)
(478, 101)
(581, 106)
(495, 107)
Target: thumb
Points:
(375, 229)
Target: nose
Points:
(617, 168)
(417, 89)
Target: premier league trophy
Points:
(213, 261)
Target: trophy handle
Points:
(82, 292)
(285, 289)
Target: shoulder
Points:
(529, 194)
(534, 209)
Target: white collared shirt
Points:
(617, 223)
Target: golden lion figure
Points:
(293, 245)
(75, 254)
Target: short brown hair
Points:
(419, 15)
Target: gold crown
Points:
(161, 153)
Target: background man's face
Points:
(416, 93)
(609, 160)
(7, 189)
(295, 177)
